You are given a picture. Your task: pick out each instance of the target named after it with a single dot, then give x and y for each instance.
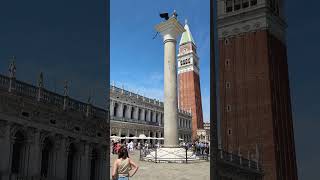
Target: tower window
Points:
(228, 84)
(228, 62)
(237, 4)
(185, 50)
(253, 2)
(229, 7)
(229, 131)
(228, 108)
(185, 61)
(226, 41)
(245, 3)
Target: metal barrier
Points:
(184, 155)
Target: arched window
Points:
(18, 153)
(93, 164)
(124, 111)
(151, 116)
(139, 114)
(47, 157)
(71, 162)
(116, 106)
(145, 115)
(131, 113)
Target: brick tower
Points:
(189, 80)
(255, 107)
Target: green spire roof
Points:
(186, 36)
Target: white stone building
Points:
(44, 135)
(132, 114)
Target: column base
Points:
(170, 155)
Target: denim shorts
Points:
(123, 178)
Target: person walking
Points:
(123, 167)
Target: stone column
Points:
(128, 111)
(111, 108)
(102, 165)
(119, 132)
(170, 30)
(5, 150)
(148, 115)
(142, 117)
(34, 162)
(154, 118)
(61, 158)
(135, 113)
(25, 156)
(84, 162)
(119, 110)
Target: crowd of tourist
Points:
(198, 147)
(131, 146)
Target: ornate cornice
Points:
(252, 21)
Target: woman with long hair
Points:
(123, 167)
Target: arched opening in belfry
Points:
(18, 153)
(131, 113)
(124, 111)
(115, 109)
(94, 165)
(157, 117)
(71, 162)
(151, 116)
(46, 157)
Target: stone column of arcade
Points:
(170, 30)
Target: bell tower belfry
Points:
(189, 79)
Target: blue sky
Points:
(136, 60)
(66, 40)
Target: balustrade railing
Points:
(238, 160)
(115, 118)
(26, 90)
(126, 92)
(4, 82)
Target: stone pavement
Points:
(168, 171)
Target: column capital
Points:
(170, 29)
